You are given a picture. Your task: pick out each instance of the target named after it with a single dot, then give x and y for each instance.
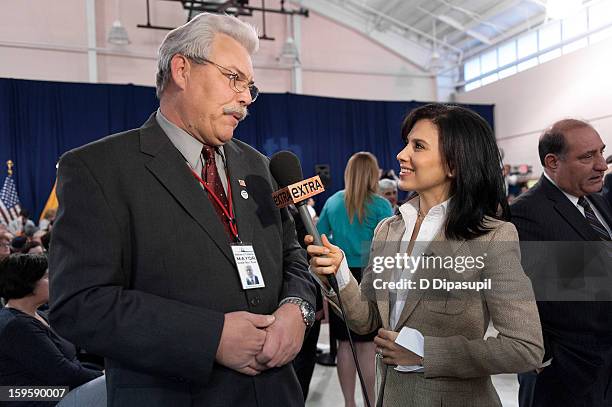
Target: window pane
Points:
(489, 79)
(575, 25)
(601, 35)
(507, 72)
(530, 63)
(550, 55)
(472, 85)
(550, 35)
(471, 69)
(600, 14)
(573, 46)
(528, 44)
(507, 53)
(488, 61)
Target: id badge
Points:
(248, 268)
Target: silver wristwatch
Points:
(308, 313)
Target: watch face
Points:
(309, 316)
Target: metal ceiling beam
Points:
(390, 5)
(401, 24)
(494, 11)
(425, 24)
(449, 21)
(385, 9)
(474, 17)
(456, 24)
(409, 17)
(532, 22)
(406, 49)
(458, 39)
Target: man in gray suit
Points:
(148, 237)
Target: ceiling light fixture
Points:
(118, 34)
(435, 63)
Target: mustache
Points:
(241, 111)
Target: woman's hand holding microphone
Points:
(324, 260)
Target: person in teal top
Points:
(349, 218)
(352, 236)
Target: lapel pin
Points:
(244, 194)
(241, 183)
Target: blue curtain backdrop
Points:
(39, 121)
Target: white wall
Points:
(48, 41)
(575, 85)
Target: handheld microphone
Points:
(287, 171)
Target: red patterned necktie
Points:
(212, 179)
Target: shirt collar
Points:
(410, 209)
(189, 147)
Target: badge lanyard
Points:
(228, 214)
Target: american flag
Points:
(9, 200)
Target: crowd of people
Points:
(178, 204)
(22, 235)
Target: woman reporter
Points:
(433, 339)
(31, 353)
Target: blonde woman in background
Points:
(349, 218)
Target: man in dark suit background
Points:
(142, 265)
(607, 188)
(565, 206)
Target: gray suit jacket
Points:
(142, 271)
(458, 362)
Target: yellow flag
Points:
(51, 203)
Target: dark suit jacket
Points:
(578, 334)
(142, 271)
(607, 189)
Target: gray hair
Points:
(386, 184)
(195, 38)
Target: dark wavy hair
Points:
(19, 274)
(468, 149)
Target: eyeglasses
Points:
(237, 83)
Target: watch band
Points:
(308, 314)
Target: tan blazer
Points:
(458, 362)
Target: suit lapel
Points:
(391, 244)
(243, 207)
(439, 247)
(568, 211)
(170, 169)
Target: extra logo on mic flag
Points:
(298, 192)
